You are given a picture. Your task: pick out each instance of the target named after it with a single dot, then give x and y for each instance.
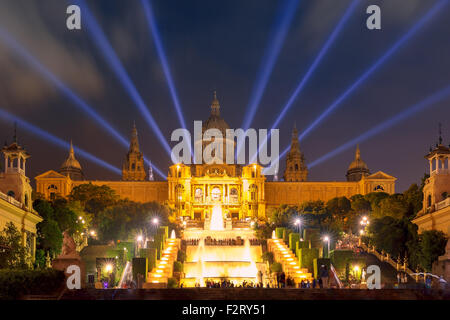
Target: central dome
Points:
(215, 121)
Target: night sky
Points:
(219, 45)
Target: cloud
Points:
(40, 27)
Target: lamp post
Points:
(298, 223)
(327, 240)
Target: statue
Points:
(69, 248)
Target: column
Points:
(6, 162)
(431, 166)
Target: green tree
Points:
(13, 253)
(360, 204)
(432, 245)
(414, 199)
(49, 236)
(93, 198)
(394, 206)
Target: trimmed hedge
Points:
(306, 257)
(140, 266)
(16, 283)
(150, 254)
(279, 232)
(130, 249)
(164, 230)
(313, 236)
(294, 238)
(340, 258)
(178, 266)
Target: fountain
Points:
(216, 218)
(215, 262)
(274, 235)
(173, 235)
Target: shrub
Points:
(293, 239)
(177, 266)
(172, 283)
(268, 257)
(307, 256)
(276, 267)
(279, 232)
(16, 283)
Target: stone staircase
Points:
(288, 260)
(163, 270)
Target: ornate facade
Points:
(15, 196)
(243, 191)
(435, 214)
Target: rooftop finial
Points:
(358, 152)
(215, 107)
(440, 133)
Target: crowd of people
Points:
(222, 242)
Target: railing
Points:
(336, 278)
(443, 204)
(397, 265)
(11, 200)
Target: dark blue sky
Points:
(218, 45)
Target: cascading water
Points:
(173, 235)
(216, 218)
(274, 236)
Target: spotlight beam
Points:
(117, 67)
(36, 65)
(276, 39)
(7, 117)
(382, 127)
(331, 39)
(162, 56)
(434, 10)
(427, 17)
(12, 44)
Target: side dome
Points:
(71, 167)
(357, 168)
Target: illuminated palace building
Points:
(242, 190)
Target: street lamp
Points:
(298, 223)
(327, 240)
(155, 221)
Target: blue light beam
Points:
(7, 117)
(311, 69)
(162, 56)
(276, 39)
(427, 17)
(11, 43)
(382, 127)
(109, 54)
(434, 10)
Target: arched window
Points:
(11, 193)
(253, 192)
(296, 167)
(179, 190)
(234, 195)
(429, 201)
(26, 200)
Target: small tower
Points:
(437, 186)
(13, 181)
(296, 169)
(133, 167)
(150, 174)
(71, 167)
(358, 168)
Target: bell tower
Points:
(437, 186)
(13, 181)
(133, 167)
(296, 169)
